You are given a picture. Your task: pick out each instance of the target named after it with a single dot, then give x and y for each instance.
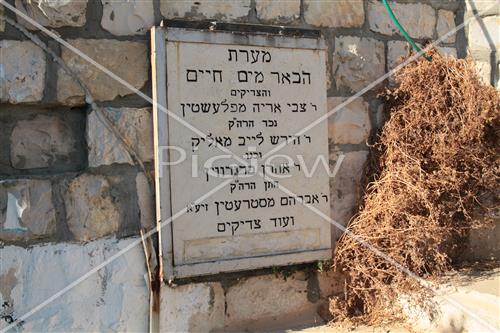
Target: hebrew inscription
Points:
(247, 100)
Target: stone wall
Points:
(71, 195)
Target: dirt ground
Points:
(478, 291)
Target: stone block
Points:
(123, 18)
(229, 10)
(351, 124)
(335, 14)
(445, 24)
(483, 70)
(418, 19)
(278, 11)
(128, 60)
(357, 62)
(448, 51)
(484, 33)
(136, 125)
(197, 307)
(26, 209)
(346, 187)
(53, 13)
(267, 302)
(145, 198)
(396, 52)
(483, 7)
(91, 211)
(42, 142)
(22, 72)
(114, 298)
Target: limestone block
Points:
(346, 187)
(263, 301)
(136, 125)
(128, 60)
(22, 72)
(197, 307)
(483, 69)
(280, 11)
(114, 298)
(357, 61)
(448, 51)
(228, 10)
(445, 24)
(53, 13)
(41, 142)
(335, 14)
(26, 209)
(145, 198)
(90, 209)
(396, 52)
(351, 124)
(418, 19)
(123, 18)
(483, 7)
(484, 33)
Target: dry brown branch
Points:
(438, 166)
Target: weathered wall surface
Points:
(71, 196)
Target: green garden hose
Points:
(404, 33)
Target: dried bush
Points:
(438, 163)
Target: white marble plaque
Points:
(248, 98)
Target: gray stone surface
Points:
(346, 187)
(396, 51)
(127, 17)
(351, 124)
(228, 10)
(40, 142)
(418, 19)
(128, 60)
(335, 14)
(279, 11)
(145, 198)
(136, 125)
(53, 13)
(196, 307)
(114, 298)
(90, 208)
(26, 209)
(22, 69)
(445, 24)
(263, 301)
(357, 62)
(484, 33)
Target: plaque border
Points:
(245, 35)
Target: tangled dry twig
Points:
(438, 164)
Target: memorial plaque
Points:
(245, 94)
